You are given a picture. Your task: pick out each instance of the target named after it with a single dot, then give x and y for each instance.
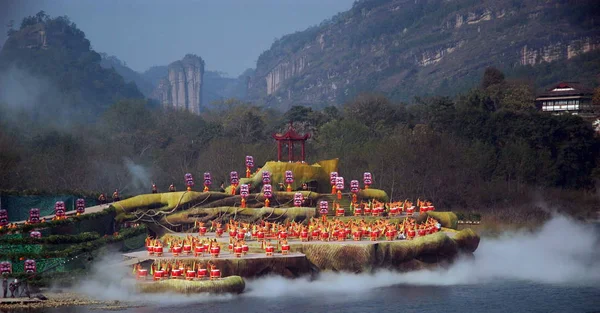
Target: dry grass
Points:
(447, 219)
(377, 194)
(467, 240)
(164, 201)
(303, 172)
(230, 284)
(340, 257)
(191, 215)
(395, 254)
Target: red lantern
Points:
(249, 165)
(35, 234)
(207, 181)
(235, 180)
(59, 210)
(339, 186)
(5, 268)
(323, 209)
(367, 179)
(3, 218)
(244, 192)
(339, 183)
(332, 180)
(298, 199)
(29, 266)
(268, 193)
(266, 177)
(354, 186)
(80, 206)
(289, 179)
(189, 181)
(34, 216)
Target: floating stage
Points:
(310, 257)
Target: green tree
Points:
(374, 111)
(492, 76)
(518, 97)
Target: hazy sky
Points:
(228, 34)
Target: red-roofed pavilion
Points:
(289, 138)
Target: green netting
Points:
(42, 265)
(18, 206)
(134, 243)
(13, 236)
(6, 249)
(103, 225)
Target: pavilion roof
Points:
(291, 134)
(567, 89)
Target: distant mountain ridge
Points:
(216, 86)
(407, 48)
(128, 74)
(48, 64)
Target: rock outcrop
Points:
(406, 48)
(558, 51)
(182, 88)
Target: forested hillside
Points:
(482, 148)
(407, 48)
(48, 68)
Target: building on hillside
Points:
(568, 97)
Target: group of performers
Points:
(177, 270)
(273, 238)
(155, 189)
(183, 246)
(377, 208)
(115, 197)
(266, 232)
(333, 229)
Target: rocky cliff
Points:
(407, 48)
(182, 87)
(49, 67)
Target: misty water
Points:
(556, 269)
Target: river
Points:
(490, 297)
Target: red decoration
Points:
(59, 210)
(3, 218)
(298, 199)
(189, 181)
(207, 181)
(34, 216)
(289, 138)
(80, 206)
(367, 179)
(249, 165)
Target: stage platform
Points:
(141, 256)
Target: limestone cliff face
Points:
(558, 51)
(408, 48)
(182, 87)
(284, 71)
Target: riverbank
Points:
(67, 297)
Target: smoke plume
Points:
(140, 177)
(563, 252)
